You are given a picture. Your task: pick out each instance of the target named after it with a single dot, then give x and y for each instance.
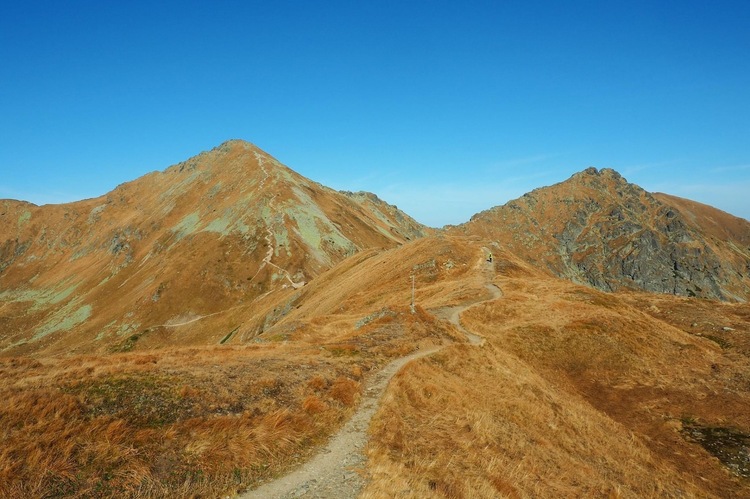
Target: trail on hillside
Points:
(268, 237)
(269, 233)
(336, 472)
(453, 314)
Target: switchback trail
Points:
(335, 472)
(269, 232)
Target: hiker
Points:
(489, 259)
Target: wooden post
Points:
(412, 294)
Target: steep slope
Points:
(216, 231)
(598, 229)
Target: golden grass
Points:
(191, 422)
(482, 423)
(176, 423)
(576, 394)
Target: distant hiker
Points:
(489, 259)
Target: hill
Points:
(598, 229)
(216, 231)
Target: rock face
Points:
(217, 230)
(600, 230)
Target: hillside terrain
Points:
(205, 330)
(216, 231)
(600, 230)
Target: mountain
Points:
(598, 229)
(216, 231)
(206, 329)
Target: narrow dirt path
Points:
(268, 237)
(334, 472)
(453, 314)
(269, 232)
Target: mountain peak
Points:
(593, 174)
(236, 157)
(597, 228)
(236, 145)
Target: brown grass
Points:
(576, 394)
(481, 423)
(178, 423)
(190, 422)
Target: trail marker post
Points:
(412, 294)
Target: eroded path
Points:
(336, 471)
(268, 237)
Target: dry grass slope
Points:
(577, 393)
(574, 393)
(203, 421)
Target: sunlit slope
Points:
(216, 231)
(598, 229)
(576, 393)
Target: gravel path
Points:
(335, 471)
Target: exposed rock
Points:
(598, 229)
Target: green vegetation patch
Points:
(718, 340)
(144, 401)
(96, 213)
(316, 229)
(219, 225)
(64, 319)
(229, 335)
(129, 342)
(230, 221)
(187, 226)
(24, 218)
(41, 297)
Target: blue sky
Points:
(442, 108)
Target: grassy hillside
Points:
(575, 392)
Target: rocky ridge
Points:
(598, 229)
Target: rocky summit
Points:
(598, 229)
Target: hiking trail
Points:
(269, 233)
(335, 472)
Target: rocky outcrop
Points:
(598, 229)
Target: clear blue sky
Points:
(443, 108)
